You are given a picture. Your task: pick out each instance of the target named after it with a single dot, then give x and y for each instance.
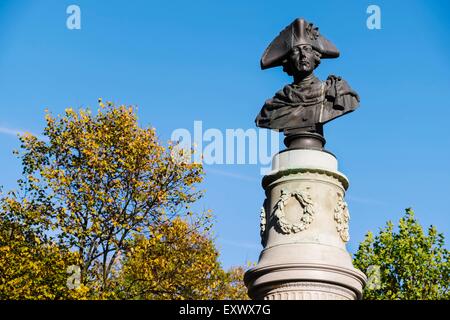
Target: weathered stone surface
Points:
(305, 230)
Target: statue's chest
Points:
(306, 95)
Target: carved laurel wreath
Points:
(342, 217)
(308, 211)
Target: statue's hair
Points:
(287, 67)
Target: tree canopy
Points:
(405, 264)
(102, 193)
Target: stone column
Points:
(304, 229)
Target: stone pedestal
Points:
(304, 229)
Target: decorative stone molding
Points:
(342, 217)
(306, 218)
(336, 276)
(262, 224)
(270, 178)
(309, 291)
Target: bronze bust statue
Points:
(302, 108)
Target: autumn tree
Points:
(405, 264)
(102, 194)
(177, 262)
(233, 287)
(31, 266)
(98, 180)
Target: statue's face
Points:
(302, 59)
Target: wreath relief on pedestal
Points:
(342, 217)
(262, 224)
(306, 217)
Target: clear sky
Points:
(182, 61)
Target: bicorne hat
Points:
(297, 33)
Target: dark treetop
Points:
(300, 109)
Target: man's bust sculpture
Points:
(300, 109)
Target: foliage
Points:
(233, 287)
(32, 268)
(102, 193)
(177, 262)
(412, 265)
(100, 178)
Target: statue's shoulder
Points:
(332, 79)
(338, 85)
(340, 95)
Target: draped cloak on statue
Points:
(304, 105)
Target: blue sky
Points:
(181, 61)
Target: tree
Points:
(233, 287)
(102, 194)
(406, 264)
(31, 267)
(98, 180)
(178, 262)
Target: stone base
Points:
(304, 282)
(304, 229)
(309, 291)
